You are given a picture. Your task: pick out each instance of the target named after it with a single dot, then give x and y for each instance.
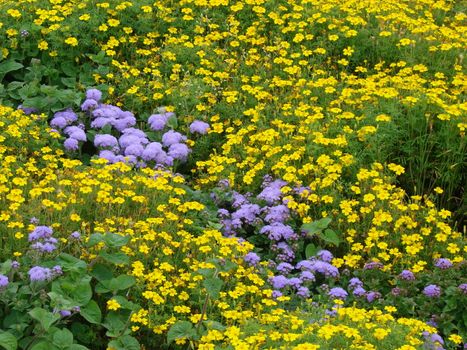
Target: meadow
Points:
(233, 174)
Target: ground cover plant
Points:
(216, 174)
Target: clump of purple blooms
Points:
(41, 239)
(125, 142)
(3, 282)
(432, 291)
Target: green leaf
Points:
(8, 341)
(91, 312)
(5, 267)
(44, 345)
(316, 226)
(101, 272)
(44, 317)
(172, 122)
(121, 282)
(63, 338)
(126, 342)
(331, 237)
(76, 347)
(94, 239)
(180, 330)
(214, 325)
(115, 241)
(213, 286)
(311, 250)
(9, 66)
(82, 293)
(70, 263)
(115, 258)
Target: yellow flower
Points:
(43, 45)
(112, 304)
(72, 41)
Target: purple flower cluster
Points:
(42, 240)
(132, 145)
(443, 263)
(40, 274)
(432, 291)
(3, 281)
(407, 275)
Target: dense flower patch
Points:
(303, 186)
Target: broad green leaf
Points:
(115, 241)
(70, 263)
(331, 237)
(213, 286)
(5, 267)
(8, 341)
(9, 66)
(101, 272)
(172, 122)
(63, 338)
(121, 282)
(180, 330)
(316, 226)
(44, 345)
(311, 250)
(95, 238)
(44, 317)
(77, 347)
(115, 258)
(214, 325)
(91, 312)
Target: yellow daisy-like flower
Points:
(72, 41)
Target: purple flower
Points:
(57, 270)
(3, 281)
(305, 265)
(294, 282)
(284, 267)
(303, 292)
(372, 296)
(15, 264)
(407, 275)
(373, 265)
(68, 115)
(252, 258)
(247, 213)
(135, 149)
(338, 293)
(325, 268)
(279, 282)
(100, 122)
(65, 313)
(307, 276)
(172, 137)
(105, 140)
(396, 291)
(89, 104)
(71, 144)
(40, 232)
(43, 247)
(152, 151)
(38, 274)
(443, 263)
(75, 235)
(278, 213)
(179, 151)
(285, 252)
(28, 110)
(276, 294)
(199, 127)
(325, 255)
(58, 122)
(157, 122)
(432, 291)
(355, 282)
(94, 94)
(277, 231)
(34, 220)
(463, 288)
(272, 192)
(359, 291)
(109, 155)
(127, 140)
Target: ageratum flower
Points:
(135, 149)
(463, 288)
(279, 282)
(303, 292)
(68, 115)
(109, 155)
(89, 104)
(407, 275)
(355, 282)
(105, 140)
(153, 151)
(58, 122)
(172, 137)
(284, 267)
(157, 122)
(278, 231)
(39, 274)
(432, 291)
(179, 151)
(443, 263)
(359, 291)
(294, 282)
(307, 276)
(286, 252)
(272, 192)
(325, 255)
(199, 127)
(71, 144)
(94, 94)
(338, 293)
(40, 232)
(3, 281)
(247, 213)
(278, 213)
(372, 296)
(252, 259)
